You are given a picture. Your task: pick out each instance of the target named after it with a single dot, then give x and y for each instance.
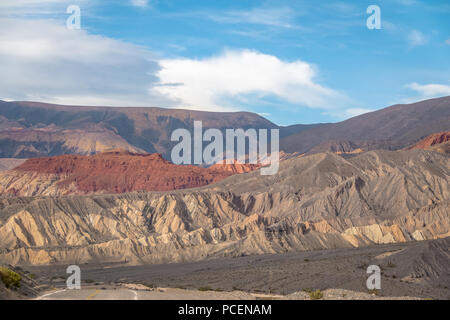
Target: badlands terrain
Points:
(314, 202)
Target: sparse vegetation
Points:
(205, 288)
(374, 292)
(10, 278)
(316, 295)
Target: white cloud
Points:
(275, 17)
(139, 3)
(416, 38)
(41, 8)
(353, 112)
(430, 90)
(20, 3)
(43, 60)
(210, 82)
(447, 41)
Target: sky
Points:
(289, 61)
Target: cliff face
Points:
(314, 202)
(109, 172)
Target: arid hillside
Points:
(10, 163)
(108, 172)
(391, 128)
(33, 129)
(432, 142)
(314, 202)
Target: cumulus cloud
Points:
(211, 82)
(43, 60)
(431, 90)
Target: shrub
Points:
(374, 292)
(316, 295)
(10, 278)
(206, 288)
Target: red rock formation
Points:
(122, 171)
(431, 140)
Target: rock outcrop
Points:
(108, 172)
(313, 202)
(437, 141)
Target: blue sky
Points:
(290, 61)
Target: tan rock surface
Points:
(314, 202)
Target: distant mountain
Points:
(32, 129)
(391, 128)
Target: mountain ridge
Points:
(33, 129)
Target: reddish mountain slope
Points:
(109, 172)
(431, 140)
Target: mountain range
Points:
(32, 129)
(77, 200)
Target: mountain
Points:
(390, 128)
(432, 142)
(33, 129)
(313, 202)
(108, 172)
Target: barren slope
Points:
(108, 172)
(431, 142)
(314, 202)
(390, 128)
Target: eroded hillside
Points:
(314, 202)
